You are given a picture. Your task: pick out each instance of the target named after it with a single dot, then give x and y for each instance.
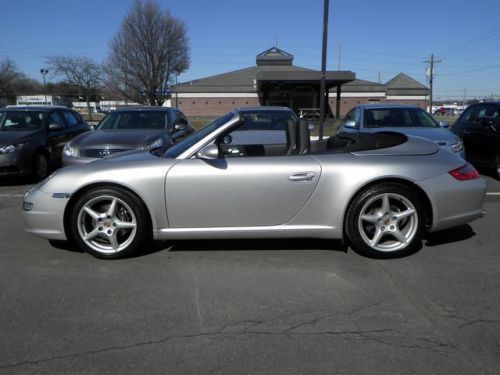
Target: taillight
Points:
(465, 172)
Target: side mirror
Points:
(209, 152)
(179, 126)
(54, 127)
(443, 124)
(349, 124)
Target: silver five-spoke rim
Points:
(107, 224)
(388, 222)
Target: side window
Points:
(71, 119)
(57, 117)
(353, 115)
(259, 134)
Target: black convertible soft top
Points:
(354, 142)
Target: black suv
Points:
(32, 138)
(479, 127)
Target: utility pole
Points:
(379, 77)
(431, 78)
(322, 90)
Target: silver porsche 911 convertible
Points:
(254, 173)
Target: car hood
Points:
(438, 135)
(12, 137)
(132, 139)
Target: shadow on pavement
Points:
(15, 181)
(259, 244)
(456, 234)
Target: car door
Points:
(480, 135)
(74, 124)
(56, 138)
(248, 185)
(239, 192)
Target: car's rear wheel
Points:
(40, 167)
(385, 221)
(109, 223)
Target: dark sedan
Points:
(127, 129)
(32, 138)
(479, 127)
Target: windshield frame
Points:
(192, 143)
(3, 116)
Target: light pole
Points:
(44, 72)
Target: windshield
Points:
(132, 120)
(21, 120)
(180, 147)
(398, 117)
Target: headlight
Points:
(158, 143)
(70, 150)
(7, 149)
(457, 147)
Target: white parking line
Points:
(494, 193)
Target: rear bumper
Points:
(454, 202)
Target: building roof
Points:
(274, 56)
(276, 63)
(242, 81)
(361, 85)
(403, 84)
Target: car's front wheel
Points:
(109, 222)
(497, 167)
(385, 221)
(40, 167)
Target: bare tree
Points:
(10, 78)
(150, 47)
(81, 72)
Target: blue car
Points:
(406, 119)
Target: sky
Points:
(374, 39)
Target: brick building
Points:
(274, 80)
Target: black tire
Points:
(106, 232)
(40, 167)
(392, 230)
(497, 167)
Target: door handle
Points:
(302, 177)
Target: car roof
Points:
(494, 102)
(143, 108)
(262, 109)
(43, 108)
(386, 106)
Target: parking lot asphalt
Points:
(251, 307)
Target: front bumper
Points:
(14, 164)
(46, 216)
